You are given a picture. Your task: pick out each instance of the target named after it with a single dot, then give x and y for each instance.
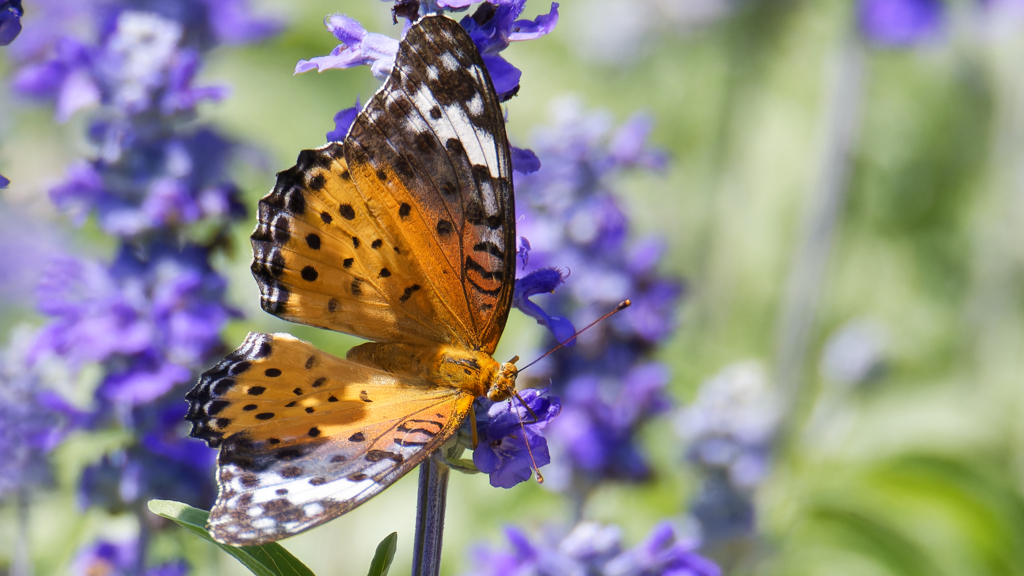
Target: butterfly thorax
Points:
(474, 371)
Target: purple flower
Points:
(357, 47)
(10, 21)
(505, 430)
(161, 463)
(663, 553)
(119, 559)
(4, 182)
(591, 548)
(493, 26)
(343, 121)
(179, 94)
(540, 282)
(524, 161)
(899, 23)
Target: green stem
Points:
(21, 563)
(810, 262)
(430, 507)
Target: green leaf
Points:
(384, 555)
(266, 560)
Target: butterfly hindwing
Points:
(433, 140)
(305, 436)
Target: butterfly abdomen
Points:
(435, 365)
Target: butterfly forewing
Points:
(431, 145)
(305, 436)
(322, 257)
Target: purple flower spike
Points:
(503, 452)
(343, 121)
(663, 553)
(357, 47)
(900, 23)
(4, 182)
(540, 282)
(592, 548)
(10, 21)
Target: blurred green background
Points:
(814, 181)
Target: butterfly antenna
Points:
(622, 306)
(526, 437)
(527, 406)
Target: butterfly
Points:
(402, 234)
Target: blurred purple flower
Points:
(570, 214)
(33, 420)
(900, 23)
(602, 416)
(149, 322)
(594, 549)
(141, 65)
(150, 319)
(505, 429)
(171, 182)
(10, 21)
(119, 559)
(232, 22)
(855, 353)
(4, 182)
(729, 429)
(65, 78)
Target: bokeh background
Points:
(844, 202)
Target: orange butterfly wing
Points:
(402, 233)
(413, 214)
(295, 456)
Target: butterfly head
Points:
(504, 385)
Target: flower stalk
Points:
(431, 502)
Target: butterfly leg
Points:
(472, 425)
